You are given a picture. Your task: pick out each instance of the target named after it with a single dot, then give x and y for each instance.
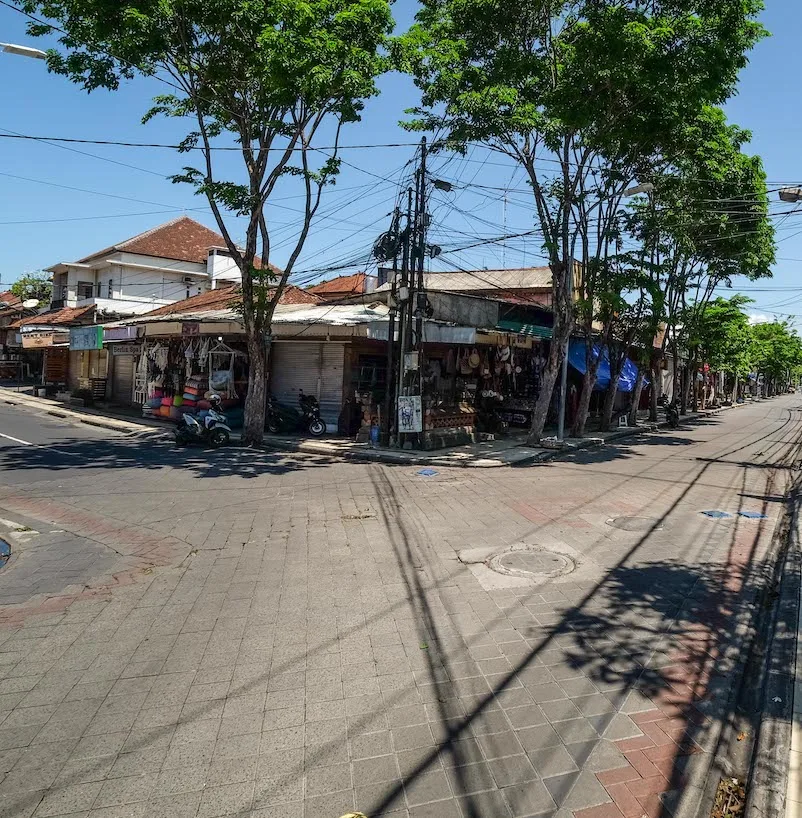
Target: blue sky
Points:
(51, 210)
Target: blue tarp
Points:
(576, 357)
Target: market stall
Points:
(175, 375)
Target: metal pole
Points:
(563, 392)
(389, 397)
(403, 311)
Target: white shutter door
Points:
(315, 368)
(122, 379)
(331, 384)
(293, 366)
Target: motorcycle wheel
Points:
(317, 427)
(272, 426)
(218, 438)
(180, 440)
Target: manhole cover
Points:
(637, 523)
(531, 561)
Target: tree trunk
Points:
(548, 378)
(735, 390)
(654, 372)
(609, 403)
(636, 393)
(588, 382)
(253, 429)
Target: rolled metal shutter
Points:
(122, 380)
(315, 368)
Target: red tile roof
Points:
(342, 285)
(10, 299)
(295, 295)
(182, 239)
(67, 316)
(228, 297)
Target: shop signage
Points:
(83, 338)
(120, 333)
(190, 328)
(125, 349)
(37, 340)
(410, 416)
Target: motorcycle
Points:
(211, 431)
(280, 418)
(672, 414)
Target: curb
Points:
(767, 782)
(698, 794)
(90, 419)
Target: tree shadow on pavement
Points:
(152, 454)
(638, 670)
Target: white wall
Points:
(222, 268)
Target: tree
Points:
(36, 285)
(706, 221)
(777, 353)
(583, 86)
(280, 78)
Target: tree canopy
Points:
(36, 285)
(276, 77)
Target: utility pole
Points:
(389, 397)
(404, 301)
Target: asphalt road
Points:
(199, 633)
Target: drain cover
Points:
(531, 562)
(637, 523)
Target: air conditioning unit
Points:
(187, 279)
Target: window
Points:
(111, 289)
(85, 289)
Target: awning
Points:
(627, 379)
(520, 328)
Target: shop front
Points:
(487, 386)
(314, 367)
(89, 363)
(175, 373)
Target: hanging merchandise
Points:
(221, 369)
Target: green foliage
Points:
(270, 74)
(776, 350)
(36, 285)
(722, 334)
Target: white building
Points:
(168, 263)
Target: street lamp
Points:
(23, 51)
(791, 194)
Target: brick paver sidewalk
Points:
(287, 636)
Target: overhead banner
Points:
(37, 340)
(83, 338)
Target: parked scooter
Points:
(282, 419)
(672, 414)
(211, 431)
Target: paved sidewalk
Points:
(505, 451)
(286, 635)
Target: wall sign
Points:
(37, 340)
(125, 349)
(83, 338)
(120, 333)
(190, 328)
(410, 416)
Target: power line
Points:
(235, 148)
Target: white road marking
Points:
(16, 440)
